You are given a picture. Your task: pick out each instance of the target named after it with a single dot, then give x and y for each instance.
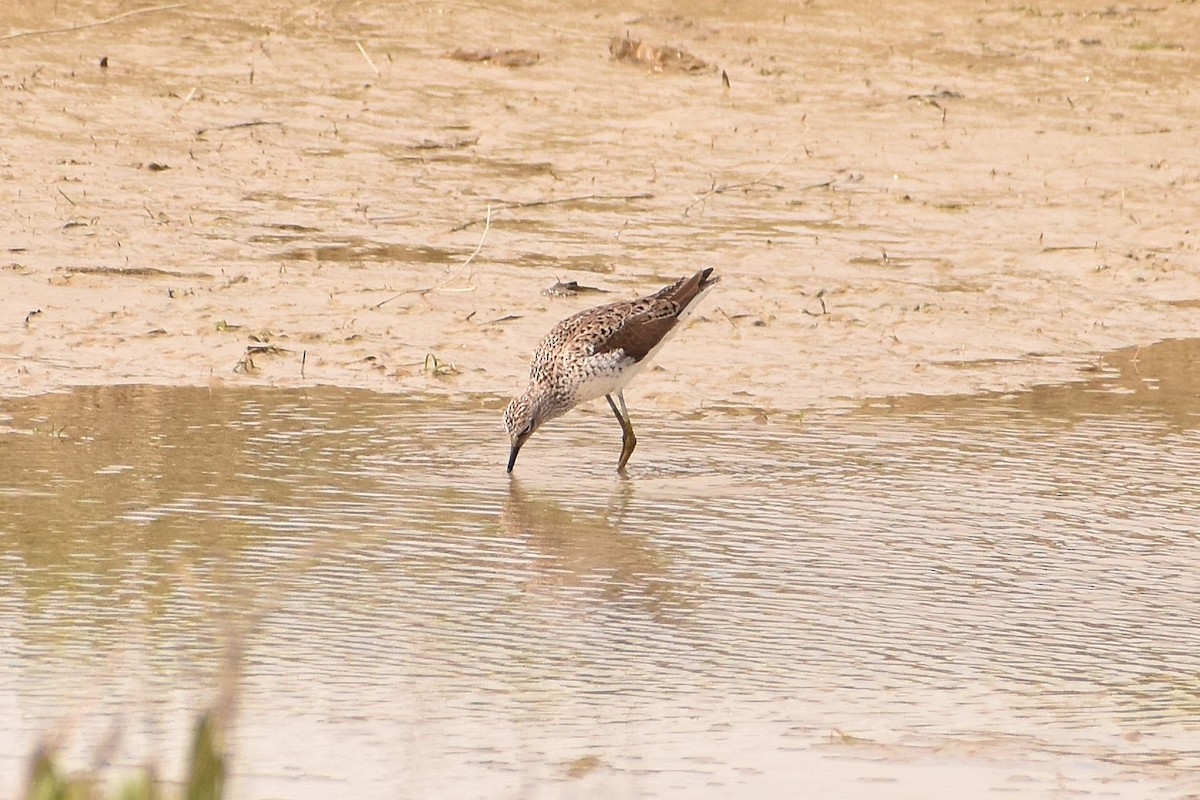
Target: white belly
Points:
(607, 374)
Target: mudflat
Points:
(929, 198)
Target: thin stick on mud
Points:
(370, 63)
(253, 124)
(186, 100)
(487, 227)
(83, 25)
(720, 188)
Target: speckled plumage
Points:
(596, 352)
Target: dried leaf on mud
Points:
(505, 57)
(661, 58)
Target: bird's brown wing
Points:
(640, 333)
(647, 321)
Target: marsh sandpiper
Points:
(595, 353)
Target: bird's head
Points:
(522, 417)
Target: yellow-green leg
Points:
(628, 440)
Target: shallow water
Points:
(939, 597)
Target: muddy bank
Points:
(957, 198)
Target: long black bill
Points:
(512, 456)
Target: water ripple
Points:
(926, 578)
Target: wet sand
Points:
(932, 200)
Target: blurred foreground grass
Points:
(205, 778)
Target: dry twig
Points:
(252, 124)
(487, 227)
(720, 188)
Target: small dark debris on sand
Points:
(456, 143)
(505, 57)
(663, 58)
(570, 289)
(937, 94)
